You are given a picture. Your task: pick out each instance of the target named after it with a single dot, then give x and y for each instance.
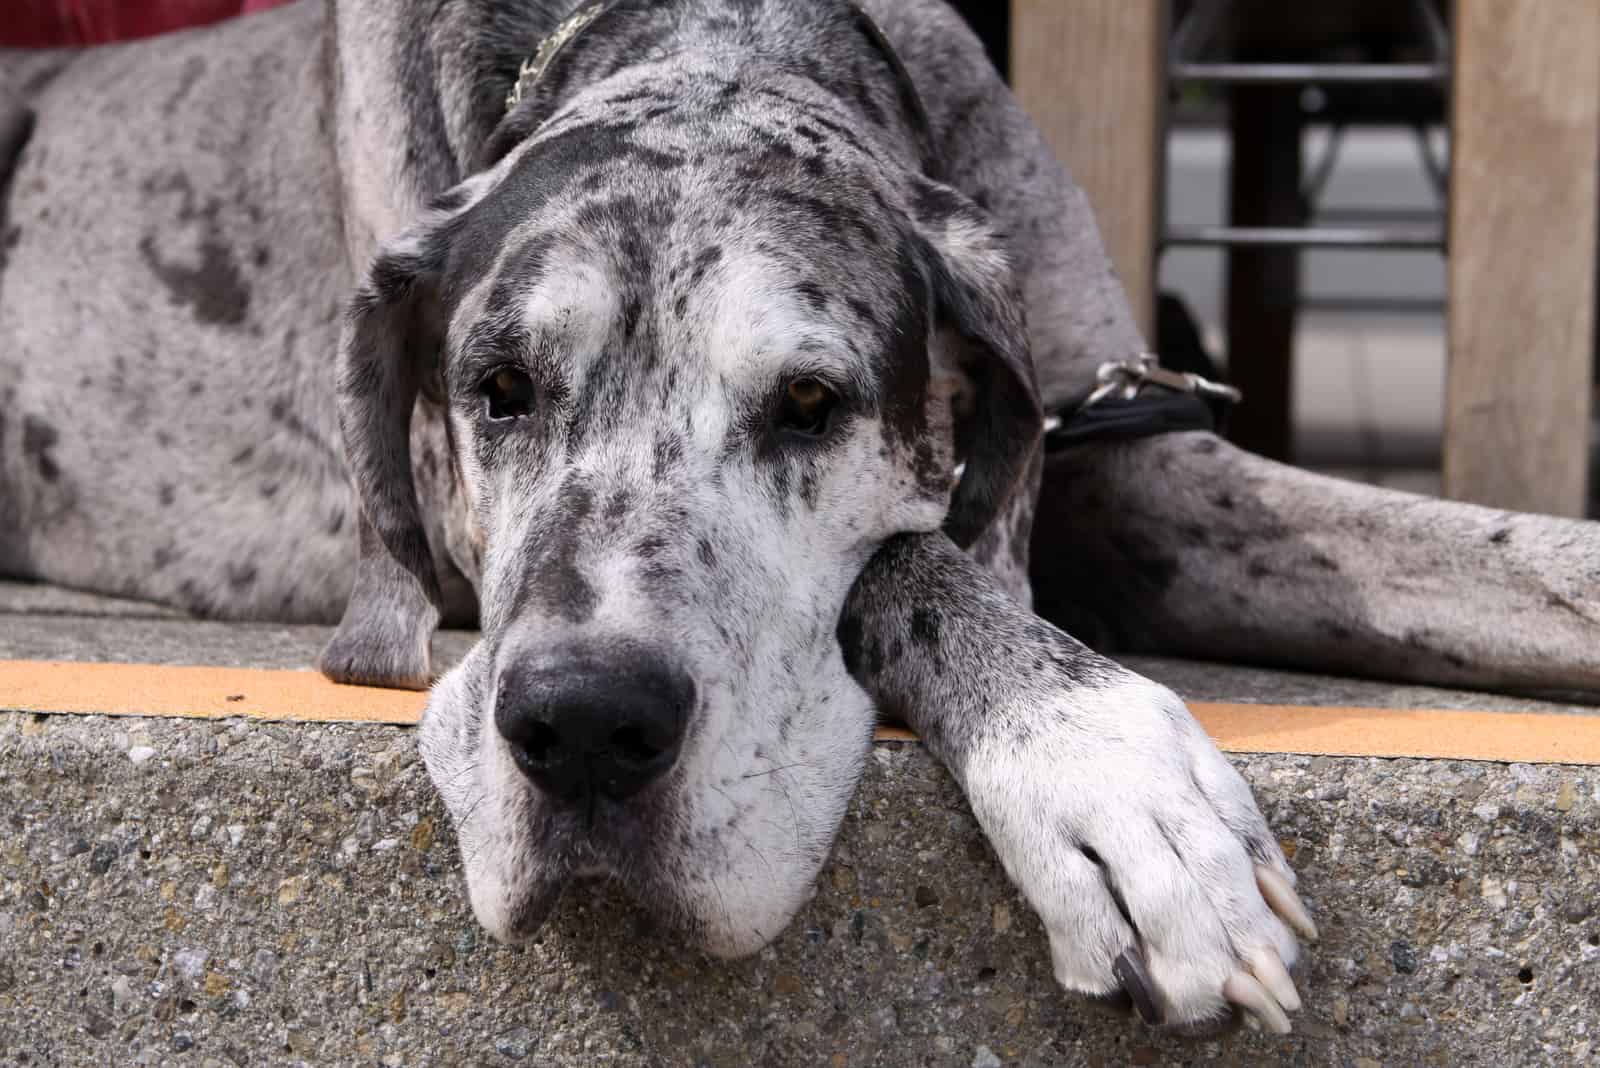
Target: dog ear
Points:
(391, 339)
(1000, 423)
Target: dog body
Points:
(147, 280)
(691, 376)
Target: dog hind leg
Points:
(1184, 544)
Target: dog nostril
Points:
(541, 742)
(630, 744)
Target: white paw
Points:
(1144, 854)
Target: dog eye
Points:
(507, 394)
(807, 407)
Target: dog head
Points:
(704, 343)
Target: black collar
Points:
(1136, 397)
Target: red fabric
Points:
(48, 23)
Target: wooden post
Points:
(1090, 72)
(1525, 135)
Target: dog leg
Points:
(385, 635)
(1125, 828)
(1185, 544)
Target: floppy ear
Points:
(391, 338)
(976, 296)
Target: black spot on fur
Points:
(862, 310)
(10, 235)
(925, 626)
(166, 493)
(815, 296)
(810, 487)
(241, 577)
(38, 439)
(554, 580)
(1501, 536)
(213, 287)
(632, 309)
(522, 270)
(193, 68)
(703, 263)
(666, 455)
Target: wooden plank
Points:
(1090, 73)
(1526, 134)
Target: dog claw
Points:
(1285, 902)
(1271, 973)
(1130, 972)
(1243, 991)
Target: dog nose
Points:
(578, 725)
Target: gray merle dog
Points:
(708, 375)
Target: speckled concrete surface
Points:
(216, 893)
(231, 893)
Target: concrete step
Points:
(237, 892)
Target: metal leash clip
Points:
(1124, 378)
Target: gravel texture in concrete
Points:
(214, 893)
(244, 893)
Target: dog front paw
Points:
(1146, 857)
(384, 638)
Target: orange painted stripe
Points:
(305, 696)
(1442, 734)
(198, 692)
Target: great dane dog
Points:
(699, 352)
